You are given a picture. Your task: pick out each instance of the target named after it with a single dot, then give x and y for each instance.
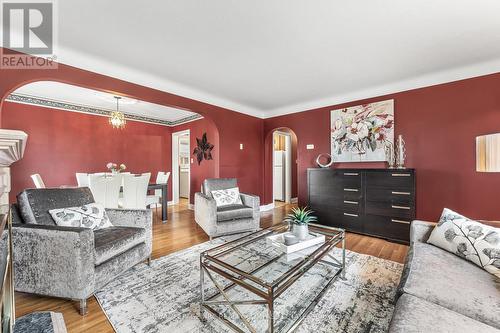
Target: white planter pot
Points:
(301, 231)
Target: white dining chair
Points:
(135, 189)
(105, 189)
(37, 179)
(161, 178)
(82, 179)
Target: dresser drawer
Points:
(388, 227)
(392, 179)
(390, 209)
(400, 196)
(350, 178)
(353, 221)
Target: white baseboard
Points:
(267, 207)
(191, 206)
(170, 203)
(294, 200)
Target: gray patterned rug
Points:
(163, 297)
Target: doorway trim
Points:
(288, 164)
(175, 164)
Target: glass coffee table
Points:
(251, 285)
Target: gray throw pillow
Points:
(468, 239)
(91, 216)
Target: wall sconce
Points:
(241, 146)
(488, 153)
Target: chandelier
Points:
(117, 118)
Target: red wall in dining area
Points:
(61, 143)
(439, 124)
(233, 127)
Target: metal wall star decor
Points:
(203, 149)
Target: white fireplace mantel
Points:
(12, 145)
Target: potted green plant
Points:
(300, 218)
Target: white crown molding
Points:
(101, 66)
(446, 76)
(98, 65)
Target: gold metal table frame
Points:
(266, 293)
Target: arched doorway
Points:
(75, 135)
(281, 166)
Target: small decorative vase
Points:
(301, 231)
(390, 155)
(401, 153)
(114, 172)
(290, 239)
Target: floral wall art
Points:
(361, 133)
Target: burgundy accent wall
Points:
(61, 143)
(233, 127)
(207, 168)
(439, 124)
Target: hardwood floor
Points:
(178, 233)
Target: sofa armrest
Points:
(54, 260)
(420, 231)
(250, 200)
(205, 212)
(138, 218)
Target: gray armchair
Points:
(229, 219)
(73, 262)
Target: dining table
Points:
(164, 199)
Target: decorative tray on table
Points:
(279, 242)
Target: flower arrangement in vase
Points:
(300, 219)
(115, 168)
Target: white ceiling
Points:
(270, 57)
(60, 92)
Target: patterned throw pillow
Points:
(91, 216)
(231, 196)
(468, 239)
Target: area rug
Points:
(40, 322)
(164, 297)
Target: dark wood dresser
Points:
(378, 202)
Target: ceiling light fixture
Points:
(117, 118)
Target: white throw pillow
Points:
(91, 216)
(230, 196)
(468, 239)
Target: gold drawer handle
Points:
(350, 202)
(400, 193)
(351, 190)
(352, 215)
(400, 221)
(401, 207)
(401, 175)
(351, 174)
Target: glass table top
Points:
(258, 258)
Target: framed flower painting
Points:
(362, 133)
